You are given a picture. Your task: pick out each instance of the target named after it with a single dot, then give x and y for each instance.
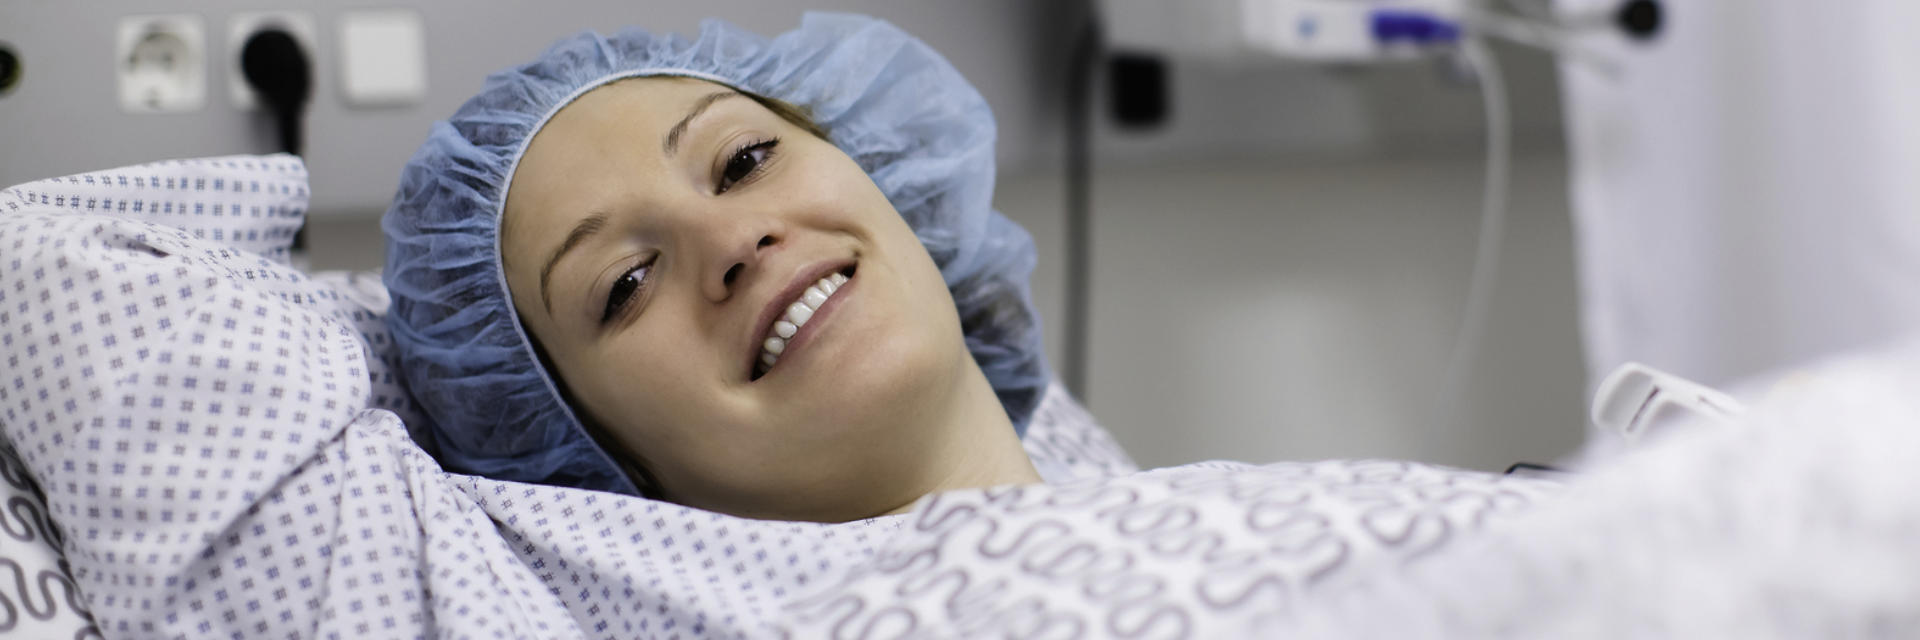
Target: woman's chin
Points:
(870, 385)
(857, 357)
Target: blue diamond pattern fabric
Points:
(214, 437)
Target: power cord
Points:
(282, 75)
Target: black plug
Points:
(1138, 89)
(1639, 18)
(9, 69)
(283, 77)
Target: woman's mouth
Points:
(795, 316)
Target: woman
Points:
(762, 279)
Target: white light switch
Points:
(383, 58)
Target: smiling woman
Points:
(759, 278)
(744, 313)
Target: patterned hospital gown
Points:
(225, 454)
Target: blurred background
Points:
(1277, 238)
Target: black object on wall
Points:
(282, 75)
(1639, 18)
(1138, 90)
(10, 71)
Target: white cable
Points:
(1527, 32)
(1550, 37)
(1493, 214)
(1532, 10)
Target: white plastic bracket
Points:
(1635, 397)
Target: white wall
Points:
(1261, 310)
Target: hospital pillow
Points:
(253, 204)
(250, 203)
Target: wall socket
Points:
(161, 63)
(243, 25)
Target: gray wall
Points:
(65, 117)
(1259, 309)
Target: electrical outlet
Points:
(243, 25)
(161, 63)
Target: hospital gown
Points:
(199, 415)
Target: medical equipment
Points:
(1354, 31)
(1313, 31)
(1348, 33)
(1637, 399)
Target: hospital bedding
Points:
(1212, 550)
(37, 598)
(1800, 522)
(221, 441)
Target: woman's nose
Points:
(738, 259)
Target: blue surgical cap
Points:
(891, 103)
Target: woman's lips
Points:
(791, 327)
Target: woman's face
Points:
(659, 231)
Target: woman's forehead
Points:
(635, 100)
(623, 122)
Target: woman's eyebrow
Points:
(672, 142)
(591, 225)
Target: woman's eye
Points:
(623, 291)
(744, 163)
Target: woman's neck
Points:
(979, 448)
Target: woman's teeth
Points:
(797, 316)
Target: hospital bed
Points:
(202, 441)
